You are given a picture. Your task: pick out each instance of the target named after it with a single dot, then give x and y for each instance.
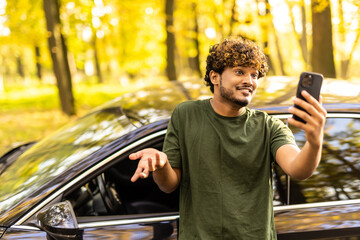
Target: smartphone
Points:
(310, 82)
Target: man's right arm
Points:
(152, 160)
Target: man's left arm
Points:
(300, 164)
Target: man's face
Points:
(237, 85)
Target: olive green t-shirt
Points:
(226, 162)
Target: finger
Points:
(145, 173)
(309, 109)
(135, 177)
(309, 97)
(150, 164)
(137, 173)
(158, 163)
(313, 107)
(300, 114)
(320, 100)
(322, 110)
(312, 101)
(296, 123)
(136, 155)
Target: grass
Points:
(29, 113)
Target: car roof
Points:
(274, 95)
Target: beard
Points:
(229, 95)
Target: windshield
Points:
(52, 156)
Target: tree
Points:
(96, 59)
(345, 57)
(37, 62)
(170, 40)
(27, 36)
(301, 37)
(194, 61)
(322, 59)
(233, 19)
(265, 18)
(276, 41)
(58, 53)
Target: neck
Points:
(226, 109)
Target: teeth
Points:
(240, 88)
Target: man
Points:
(221, 153)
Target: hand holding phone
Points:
(310, 82)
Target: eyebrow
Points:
(242, 68)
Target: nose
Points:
(248, 79)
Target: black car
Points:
(76, 183)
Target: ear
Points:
(214, 77)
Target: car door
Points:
(110, 205)
(327, 205)
(151, 226)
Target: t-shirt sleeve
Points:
(171, 143)
(280, 135)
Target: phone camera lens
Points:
(307, 82)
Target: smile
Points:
(244, 89)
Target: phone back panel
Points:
(313, 87)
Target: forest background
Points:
(60, 58)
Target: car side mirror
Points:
(59, 222)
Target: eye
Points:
(255, 75)
(239, 72)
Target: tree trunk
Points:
(20, 67)
(96, 59)
(278, 52)
(265, 25)
(345, 57)
(322, 57)
(194, 62)
(302, 38)
(59, 58)
(2, 87)
(233, 19)
(343, 60)
(170, 40)
(276, 42)
(38, 64)
(346, 63)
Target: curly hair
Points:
(233, 53)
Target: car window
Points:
(112, 193)
(56, 153)
(337, 177)
(280, 194)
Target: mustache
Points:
(245, 87)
